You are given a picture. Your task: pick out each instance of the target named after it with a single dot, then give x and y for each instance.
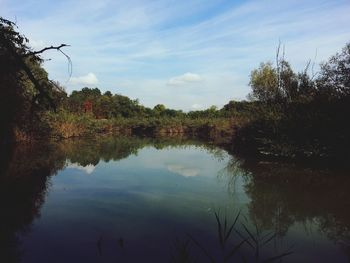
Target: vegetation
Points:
(288, 114)
(26, 91)
(299, 115)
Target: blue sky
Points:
(185, 54)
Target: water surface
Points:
(144, 200)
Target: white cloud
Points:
(184, 79)
(182, 170)
(89, 79)
(135, 57)
(196, 106)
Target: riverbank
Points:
(67, 125)
(244, 139)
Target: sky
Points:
(185, 54)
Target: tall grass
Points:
(256, 240)
(65, 124)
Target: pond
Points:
(167, 200)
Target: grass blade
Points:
(231, 228)
(269, 239)
(250, 234)
(221, 240)
(271, 259)
(267, 234)
(212, 260)
(244, 238)
(225, 224)
(234, 250)
(182, 251)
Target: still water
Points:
(174, 200)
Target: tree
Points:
(288, 82)
(78, 99)
(279, 84)
(104, 107)
(108, 93)
(26, 89)
(264, 83)
(159, 109)
(334, 77)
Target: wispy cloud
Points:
(183, 170)
(146, 44)
(184, 79)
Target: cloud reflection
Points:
(182, 170)
(88, 169)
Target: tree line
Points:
(107, 105)
(286, 113)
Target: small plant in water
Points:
(182, 252)
(255, 240)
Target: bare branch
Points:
(313, 65)
(278, 63)
(46, 48)
(70, 64)
(26, 69)
(307, 66)
(58, 48)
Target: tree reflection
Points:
(24, 181)
(91, 151)
(284, 194)
(25, 172)
(280, 194)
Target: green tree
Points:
(26, 89)
(159, 110)
(264, 83)
(288, 82)
(104, 107)
(77, 99)
(334, 77)
(108, 93)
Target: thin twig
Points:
(44, 49)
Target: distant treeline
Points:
(286, 114)
(107, 105)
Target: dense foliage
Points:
(298, 114)
(287, 114)
(26, 90)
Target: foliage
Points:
(264, 83)
(289, 114)
(26, 89)
(299, 115)
(334, 79)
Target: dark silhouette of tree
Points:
(25, 87)
(334, 77)
(298, 115)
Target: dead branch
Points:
(313, 65)
(278, 64)
(45, 49)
